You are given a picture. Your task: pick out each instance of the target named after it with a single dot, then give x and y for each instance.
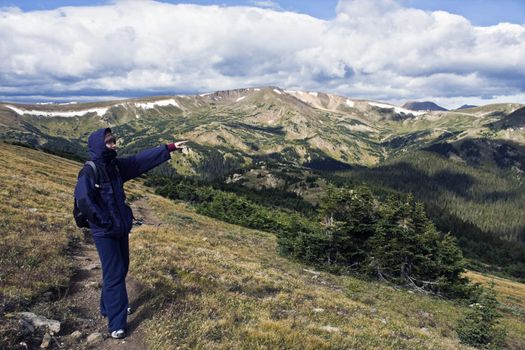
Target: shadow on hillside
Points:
(275, 130)
(514, 120)
(405, 177)
(146, 302)
(141, 306)
(502, 154)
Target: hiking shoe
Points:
(118, 334)
(130, 311)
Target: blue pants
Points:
(114, 258)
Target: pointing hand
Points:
(177, 146)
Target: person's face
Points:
(111, 141)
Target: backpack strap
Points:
(95, 171)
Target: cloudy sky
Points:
(451, 52)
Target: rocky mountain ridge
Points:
(255, 121)
(241, 128)
(423, 106)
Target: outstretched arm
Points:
(131, 167)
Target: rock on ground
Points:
(95, 338)
(46, 341)
(76, 335)
(330, 329)
(40, 321)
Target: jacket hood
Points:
(97, 147)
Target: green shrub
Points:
(352, 231)
(393, 240)
(480, 327)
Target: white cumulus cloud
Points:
(374, 49)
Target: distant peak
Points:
(423, 106)
(467, 106)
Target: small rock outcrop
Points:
(76, 335)
(94, 338)
(40, 321)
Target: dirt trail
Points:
(84, 295)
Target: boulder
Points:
(40, 321)
(76, 335)
(95, 338)
(27, 325)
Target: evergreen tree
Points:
(393, 239)
(480, 326)
(348, 217)
(407, 249)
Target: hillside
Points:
(205, 283)
(424, 106)
(243, 126)
(283, 140)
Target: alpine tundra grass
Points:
(212, 285)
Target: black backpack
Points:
(81, 219)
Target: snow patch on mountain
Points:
(396, 109)
(99, 111)
(350, 103)
(160, 103)
(240, 98)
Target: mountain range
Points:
(247, 124)
(467, 165)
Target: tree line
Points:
(352, 231)
(482, 208)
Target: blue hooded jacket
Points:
(105, 207)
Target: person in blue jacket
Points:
(110, 218)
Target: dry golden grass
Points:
(35, 227)
(510, 293)
(36, 230)
(220, 286)
(211, 285)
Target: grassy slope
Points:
(222, 286)
(35, 222)
(215, 285)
